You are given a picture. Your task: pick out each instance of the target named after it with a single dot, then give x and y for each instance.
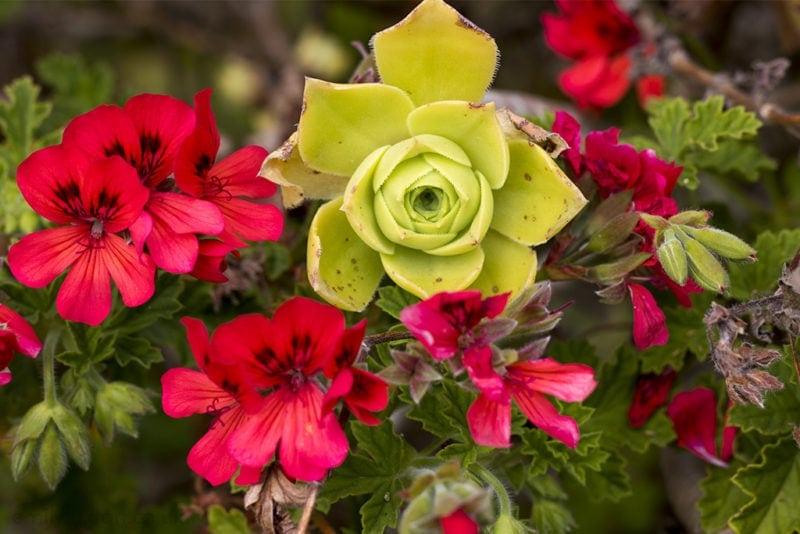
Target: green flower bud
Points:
(672, 257)
(74, 435)
(52, 457)
(694, 218)
(723, 243)
(704, 266)
(506, 524)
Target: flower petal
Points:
(239, 173)
(537, 200)
(436, 54)
(651, 392)
(508, 267)
(209, 457)
(249, 220)
(541, 413)
(254, 442)
(478, 363)
(571, 382)
(25, 338)
(133, 274)
(85, 294)
(341, 124)
(473, 127)
(38, 258)
(649, 322)
(185, 392)
(424, 274)
(694, 416)
(490, 422)
(197, 336)
(341, 267)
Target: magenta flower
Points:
(527, 382)
(147, 133)
(649, 322)
(217, 390)
(446, 322)
(16, 335)
(229, 183)
(459, 522)
(694, 416)
(92, 202)
(651, 392)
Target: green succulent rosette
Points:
(425, 183)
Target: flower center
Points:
(427, 201)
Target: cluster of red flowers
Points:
(449, 325)
(264, 381)
(130, 189)
(617, 167)
(599, 36)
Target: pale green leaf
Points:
(732, 156)
(668, 117)
(20, 116)
(710, 123)
(552, 517)
(221, 521)
(436, 54)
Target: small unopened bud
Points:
(704, 266)
(723, 243)
(672, 257)
(695, 218)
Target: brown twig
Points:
(680, 62)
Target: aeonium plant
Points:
(424, 182)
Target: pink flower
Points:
(227, 183)
(211, 264)
(526, 382)
(147, 133)
(446, 322)
(16, 335)
(92, 202)
(217, 390)
(567, 127)
(649, 322)
(694, 416)
(598, 35)
(649, 86)
(651, 392)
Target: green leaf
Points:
(443, 411)
(668, 117)
(381, 509)
(164, 305)
(137, 349)
(773, 251)
(686, 333)
(381, 441)
(610, 482)
(781, 408)
(710, 123)
(221, 521)
(278, 260)
(20, 116)
(393, 300)
(115, 405)
(721, 499)
(552, 517)
(732, 156)
(611, 401)
(774, 484)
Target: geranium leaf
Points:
(721, 498)
(667, 119)
(552, 517)
(20, 115)
(774, 484)
(221, 521)
(772, 250)
(710, 123)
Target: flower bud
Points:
(704, 266)
(52, 457)
(672, 257)
(723, 243)
(694, 218)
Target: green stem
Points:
(498, 487)
(49, 366)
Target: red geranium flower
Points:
(147, 133)
(16, 335)
(92, 201)
(694, 416)
(229, 182)
(217, 390)
(446, 322)
(284, 359)
(459, 522)
(526, 382)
